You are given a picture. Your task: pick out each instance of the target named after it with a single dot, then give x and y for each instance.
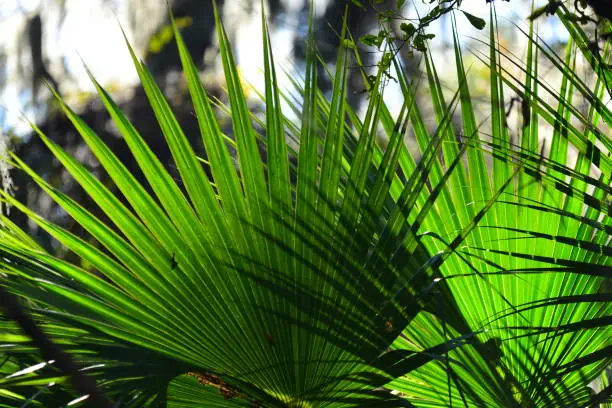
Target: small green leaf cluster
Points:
(413, 32)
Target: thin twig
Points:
(82, 384)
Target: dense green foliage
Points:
(338, 269)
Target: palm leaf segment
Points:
(338, 273)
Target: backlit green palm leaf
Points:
(339, 272)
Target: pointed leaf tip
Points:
(477, 22)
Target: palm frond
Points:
(340, 272)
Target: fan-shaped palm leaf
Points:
(377, 277)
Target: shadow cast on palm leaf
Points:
(339, 272)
